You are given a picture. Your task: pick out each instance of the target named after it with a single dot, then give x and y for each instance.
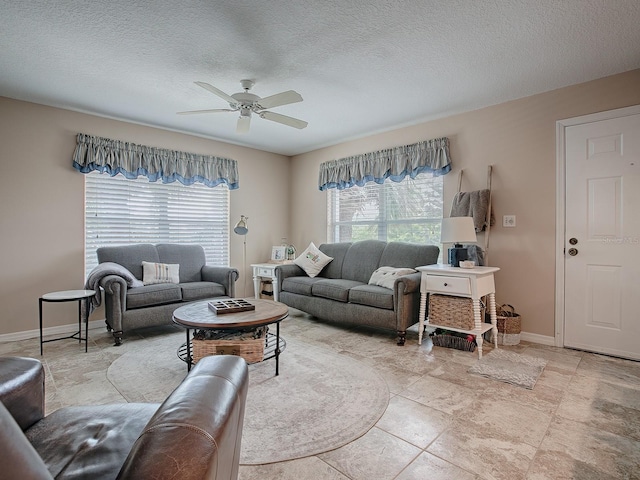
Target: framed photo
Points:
(279, 253)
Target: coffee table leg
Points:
(188, 352)
(86, 325)
(277, 348)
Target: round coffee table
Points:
(198, 316)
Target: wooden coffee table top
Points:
(199, 315)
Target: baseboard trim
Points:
(536, 338)
(59, 330)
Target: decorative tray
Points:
(230, 305)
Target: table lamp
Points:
(457, 230)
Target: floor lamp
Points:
(241, 228)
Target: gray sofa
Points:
(341, 293)
(128, 307)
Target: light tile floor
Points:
(581, 421)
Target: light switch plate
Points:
(508, 220)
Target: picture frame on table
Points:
(278, 253)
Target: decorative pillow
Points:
(386, 276)
(153, 273)
(312, 260)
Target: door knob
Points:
(573, 252)
(573, 241)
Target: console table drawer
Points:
(448, 285)
(265, 272)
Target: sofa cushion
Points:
(386, 276)
(130, 256)
(401, 254)
(153, 273)
(198, 290)
(333, 288)
(372, 296)
(89, 442)
(150, 295)
(312, 260)
(362, 259)
(299, 285)
(338, 252)
(190, 257)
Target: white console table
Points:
(265, 270)
(473, 283)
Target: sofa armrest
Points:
(19, 458)
(225, 276)
(115, 300)
(196, 433)
(288, 270)
(22, 389)
(407, 284)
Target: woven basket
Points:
(448, 311)
(245, 345)
(509, 325)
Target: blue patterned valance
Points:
(113, 157)
(393, 163)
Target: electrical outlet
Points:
(508, 220)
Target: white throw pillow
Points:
(153, 273)
(386, 276)
(312, 260)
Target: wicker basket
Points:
(245, 345)
(509, 325)
(448, 311)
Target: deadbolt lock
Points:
(573, 241)
(573, 252)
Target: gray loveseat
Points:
(341, 292)
(128, 307)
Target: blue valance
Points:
(113, 157)
(394, 163)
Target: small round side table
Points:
(70, 296)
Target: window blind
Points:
(405, 211)
(120, 211)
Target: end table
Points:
(70, 296)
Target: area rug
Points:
(320, 401)
(510, 367)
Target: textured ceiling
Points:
(361, 66)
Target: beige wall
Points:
(518, 138)
(41, 212)
(42, 204)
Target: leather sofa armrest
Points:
(225, 276)
(19, 458)
(196, 432)
(22, 389)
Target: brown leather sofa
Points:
(194, 434)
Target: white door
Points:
(602, 237)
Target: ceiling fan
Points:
(246, 103)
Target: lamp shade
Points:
(241, 227)
(458, 230)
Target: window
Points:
(120, 211)
(406, 211)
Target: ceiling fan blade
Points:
(284, 98)
(218, 92)
(243, 124)
(215, 110)
(290, 121)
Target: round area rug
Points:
(320, 401)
